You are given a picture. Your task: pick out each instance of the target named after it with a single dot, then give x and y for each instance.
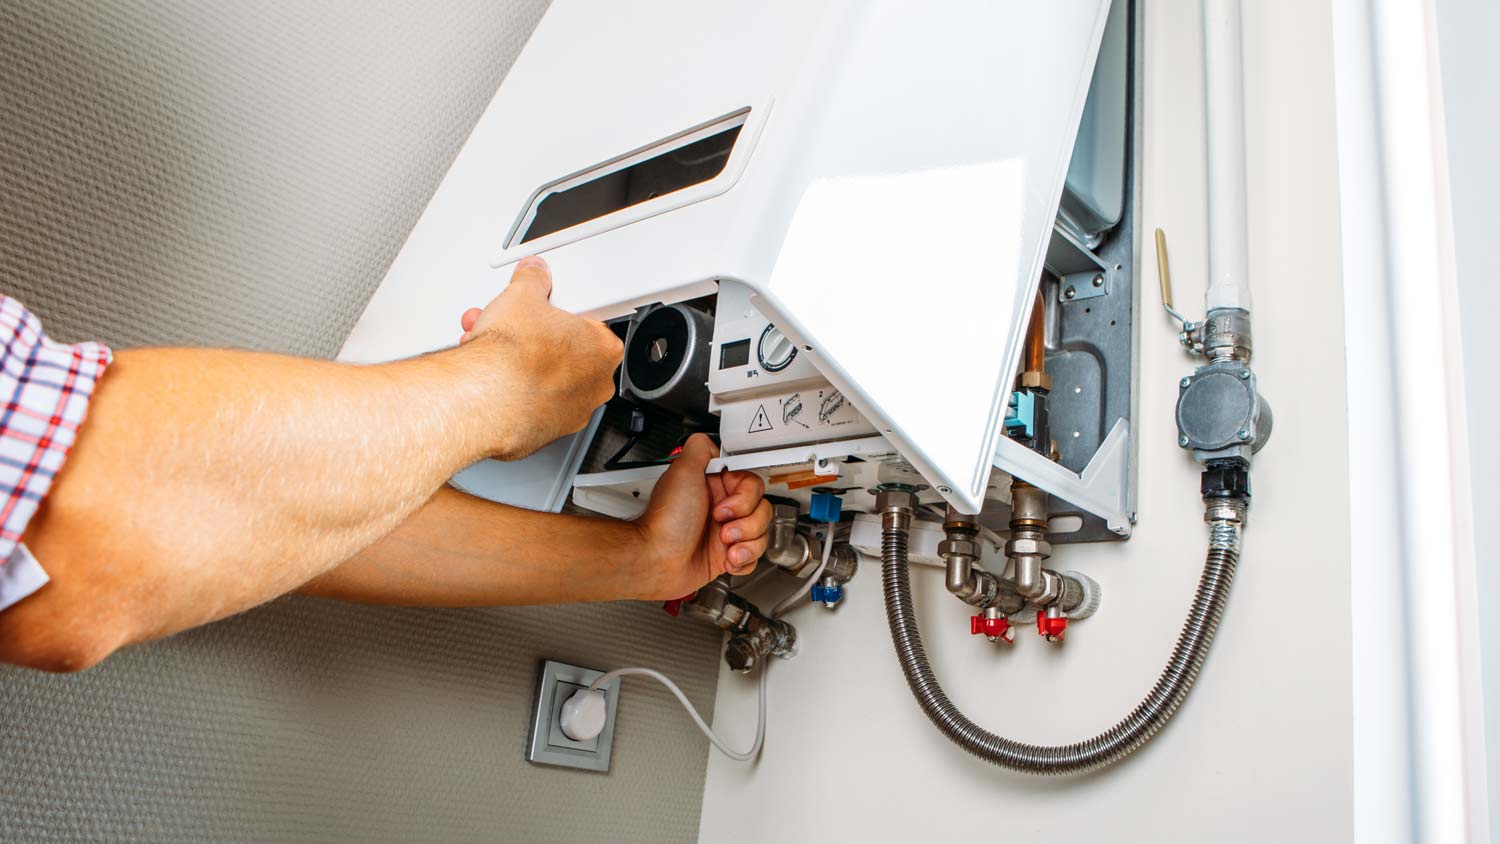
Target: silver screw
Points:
(1098, 281)
(944, 490)
(1244, 435)
(1182, 441)
(1244, 375)
(1069, 293)
(1186, 382)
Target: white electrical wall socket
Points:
(549, 743)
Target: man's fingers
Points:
(531, 278)
(734, 480)
(697, 451)
(742, 557)
(749, 528)
(686, 471)
(745, 492)
(468, 319)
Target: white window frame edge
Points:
(1419, 747)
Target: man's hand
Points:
(701, 526)
(556, 368)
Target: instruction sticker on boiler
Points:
(813, 414)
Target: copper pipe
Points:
(1034, 358)
(1033, 374)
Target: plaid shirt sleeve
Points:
(46, 387)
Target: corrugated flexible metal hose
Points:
(1106, 748)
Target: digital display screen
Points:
(734, 354)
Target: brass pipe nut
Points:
(1033, 380)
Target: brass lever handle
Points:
(1164, 275)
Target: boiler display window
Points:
(736, 354)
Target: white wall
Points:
(1264, 742)
(1466, 30)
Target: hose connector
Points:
(895, 503)
(1226, 492)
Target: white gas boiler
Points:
(821, 229)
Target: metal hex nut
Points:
(958, 548)
(895, 501)
(1033, 380)
(1028, 548)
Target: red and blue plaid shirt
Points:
(46, 387)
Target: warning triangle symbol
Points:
(761, 422)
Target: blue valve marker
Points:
(827, 594)
(1021, 413)
(826, 507)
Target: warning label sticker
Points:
(761, 421)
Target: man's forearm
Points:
(458, 550)
(205, 482)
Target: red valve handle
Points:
(1054, 627)
(997, 627)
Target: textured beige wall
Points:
(241, 174)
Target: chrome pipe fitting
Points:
(754, 636)
(1028, 545)
(895, 507)
(1229, 511)
(960, 550)
(764, 638)
(1226, 335)
(788, 549)
(843, 563)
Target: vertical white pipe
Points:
(1224, 88)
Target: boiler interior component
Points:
(667, 358)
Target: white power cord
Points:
(807, 585)
(760, 719)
